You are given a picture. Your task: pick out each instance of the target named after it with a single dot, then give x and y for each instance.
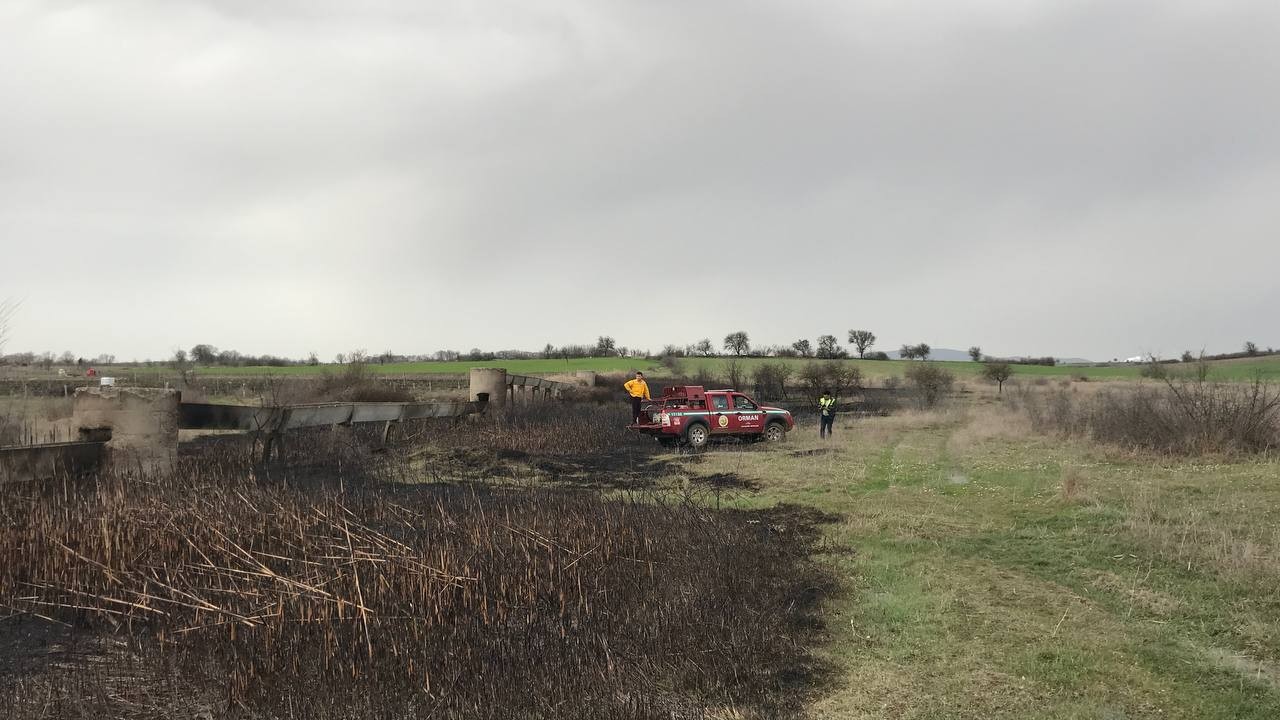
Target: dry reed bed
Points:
(213, 594)
(549, 428)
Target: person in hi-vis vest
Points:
(638, 389)
(826, 414)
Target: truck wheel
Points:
(698, 436)
(775, 432)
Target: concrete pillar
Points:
(143, 424)
(492, 381)
(586, 377)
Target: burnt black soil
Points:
(643, 604)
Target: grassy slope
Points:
(977, 590)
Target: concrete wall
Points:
(48, 461)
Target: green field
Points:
(515, 367)
(1267, 368)
(992, 573)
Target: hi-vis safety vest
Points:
(827, 404)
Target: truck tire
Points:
(697, 435)
(775, 432)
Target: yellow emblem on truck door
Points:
(724, 421)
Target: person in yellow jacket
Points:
(826, 414)
(638, 389)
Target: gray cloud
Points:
(1092, 178)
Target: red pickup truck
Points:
(690, 414)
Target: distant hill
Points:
(938, 354)
(952, 354)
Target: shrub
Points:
(840, 378)
(771, 381)
(1182, 416)
(930, 383)
(877, 355)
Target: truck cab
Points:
(693, 415)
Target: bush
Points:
(771, 381)
(840, 378)
(930, 383)
(877, 355)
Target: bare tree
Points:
(705, 348)
(8, 307)
(915, 352)
(1250, 348)
(862, 340)
(737, 343)
(997, 372)
(975, 352)
(829, 347)
(736, 372)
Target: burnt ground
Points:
(528, 462)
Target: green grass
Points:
(515, 367)
(976, 589)
(1243, 369)
(1268, 368)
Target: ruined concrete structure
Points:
(140, 425)
(503, 388)
(490, 384)
(136, 429)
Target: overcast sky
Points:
(1079, 178)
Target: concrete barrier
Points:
(38, 462)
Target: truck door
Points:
(749, 418)
(722, 416)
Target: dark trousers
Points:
(635, 409)
(825, 425)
